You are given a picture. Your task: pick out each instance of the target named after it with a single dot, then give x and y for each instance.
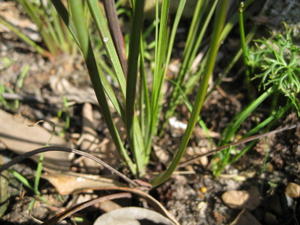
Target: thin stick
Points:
(243, 141)
(71, 150)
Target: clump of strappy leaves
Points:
(276, 61)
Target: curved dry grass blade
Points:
(70, 211)
(150, 200)
(71, 150)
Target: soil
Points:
(194, 194)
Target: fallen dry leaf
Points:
(68, 183)
(20, 135)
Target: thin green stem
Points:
(103, 29)
(116, 33)
(132, 75)
(242, 34)
(275, 116)
(38, 175)
(87, 51)
(133, 61)
(242, 116)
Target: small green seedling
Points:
(22, 76)
(8, 105)
(5, 63)
(13, 105)
(277, 62)
(65, 115)
(35, 186)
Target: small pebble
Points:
(293, 190)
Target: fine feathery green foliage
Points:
(278, 61)
(138, 101)
(275, 61)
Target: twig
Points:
(243, 141)
(71, 150)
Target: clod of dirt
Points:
(249, 199)
(293, 190)
(192, 151)
(235, 199)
